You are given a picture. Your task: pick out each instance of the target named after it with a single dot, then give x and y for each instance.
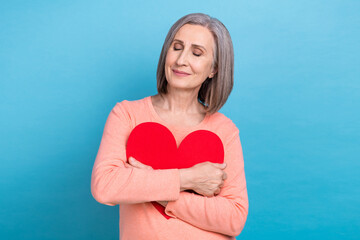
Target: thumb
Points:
(133, 161)
(221, 166)
(138, 164)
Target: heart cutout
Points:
(153, 144)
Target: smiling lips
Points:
(180, 73)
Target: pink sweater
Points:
(192, 216)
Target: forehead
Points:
(195, 34)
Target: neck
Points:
(179, 102)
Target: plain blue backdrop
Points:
(296, 101)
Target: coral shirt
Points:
(192, 216)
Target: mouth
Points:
(180, 73)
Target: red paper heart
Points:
(154, 145)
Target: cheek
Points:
(167, 64)
(167, 60)
(170, 58)
(203, 68)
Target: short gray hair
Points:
(214, 91)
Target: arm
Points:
(113, 183)
(225, 213)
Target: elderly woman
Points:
(206, 201)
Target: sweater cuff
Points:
(171, 207)
(173, 192)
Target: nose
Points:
(182, 58)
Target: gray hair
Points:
(214, 91)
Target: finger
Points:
(221, 166)
(163, 203)
(138, 164)
(133, 162)
(206, 193)
(209, 195)
(217, 191)
(224, 176)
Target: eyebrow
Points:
(195, 45)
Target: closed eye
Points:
(197, 52)
(177, 47)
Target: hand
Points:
(204, 178)
(136, 164)
(163, 203)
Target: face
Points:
(189, 61)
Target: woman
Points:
(195, 78)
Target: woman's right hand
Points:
(204, 178)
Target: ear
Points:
(213, 73)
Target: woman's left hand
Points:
(136, 164)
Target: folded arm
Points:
(113, 183)
(225, 213)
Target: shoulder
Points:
(130, 107)
(220, 120)
(133, 112)
(223, 126)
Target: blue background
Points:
(296, 101)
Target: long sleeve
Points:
(112, 183)
(225, 213)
